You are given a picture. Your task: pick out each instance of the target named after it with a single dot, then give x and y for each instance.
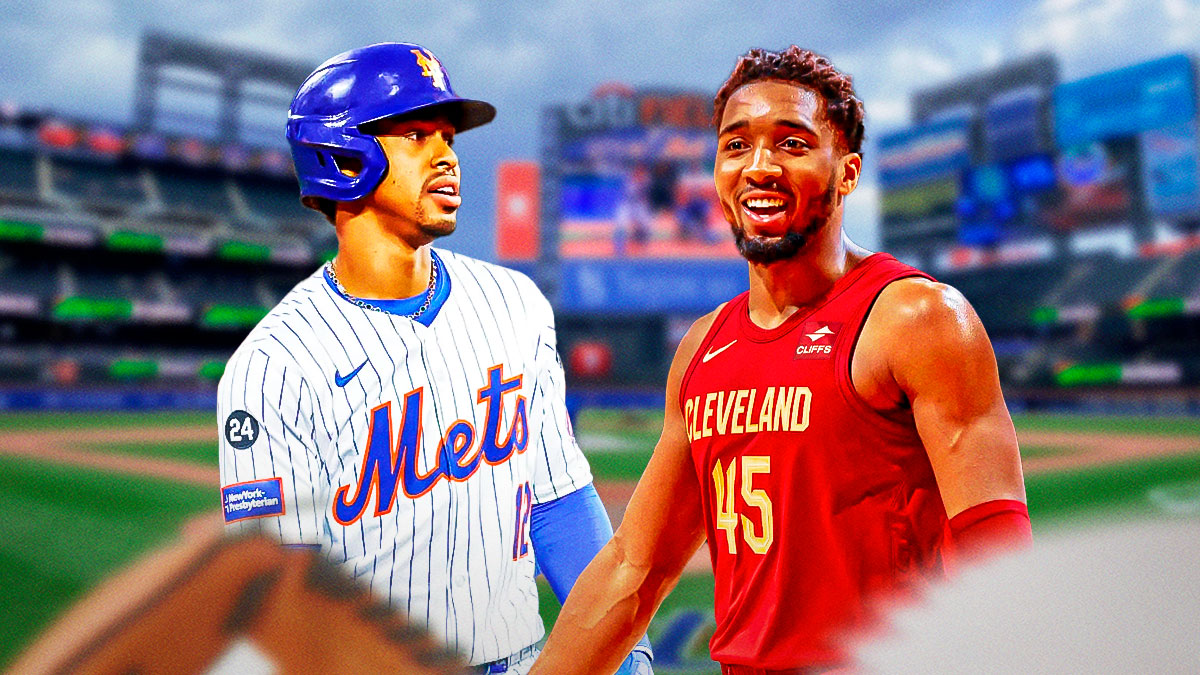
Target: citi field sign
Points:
(618, 106)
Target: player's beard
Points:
(438, 225)
(434, 222)
(765, 250)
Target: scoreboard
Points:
(630, 221)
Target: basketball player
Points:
(837, 432)
(402, 408)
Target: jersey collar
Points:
(406, 306)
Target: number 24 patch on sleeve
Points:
(241, 429)
(252, 499)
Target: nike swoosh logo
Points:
(710, 353)
(343, 381)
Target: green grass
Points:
(1037, 451)
(640, 430)
(1105, 490)
(203, 452)
(36, 421)
(638, 423)
(67, 528)
(618, 466)
(1109, 424)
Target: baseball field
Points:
(87, 494)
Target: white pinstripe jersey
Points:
(417, 474)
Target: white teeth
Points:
(761, 203)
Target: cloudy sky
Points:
(78, 56)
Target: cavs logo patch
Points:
(431, 68)
(816, 341)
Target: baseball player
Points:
(401, 409)
(837, 433)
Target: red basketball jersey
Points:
(814, 502)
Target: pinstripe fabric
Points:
(444, 557)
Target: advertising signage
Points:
(631, 109)
(1151, 95)
(646, 286)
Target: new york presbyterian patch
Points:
(816, 340)
(252, 499)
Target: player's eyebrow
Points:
(798, 125)
(733, 126)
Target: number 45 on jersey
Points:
(725, 481)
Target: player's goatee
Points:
(766, 250)
(439, 228)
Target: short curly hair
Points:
(843, 110)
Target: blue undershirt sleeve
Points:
(567, 533)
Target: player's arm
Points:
(568, 523)
(268, 464)
(616, 596)
(947, 371)
(566, 534)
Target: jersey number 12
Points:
(521, 531)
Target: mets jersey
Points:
(814, 502)
(410, 451)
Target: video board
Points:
(919, 171)
(1129, 144)
(630, 222)
(1123, 102)
(633, 174)
(1016, 124)
(1096, 183)
(1003, 200)
(1171, 170)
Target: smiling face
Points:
(420, 191)
(780, 172)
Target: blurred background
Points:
(1041, 155)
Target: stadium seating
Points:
(120, 268)
(18, 176)
(1182, 280)
(1109, 280)
(27, 276)
(194, 197)
(278, 203)
(117, 268)
(107, 188)
(1005, 297)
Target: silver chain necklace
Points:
(433, 270)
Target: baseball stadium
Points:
(136, 257)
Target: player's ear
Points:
(850, 170)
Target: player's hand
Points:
(637, 663)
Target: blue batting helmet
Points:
(355, 88)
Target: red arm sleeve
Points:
(986, 529)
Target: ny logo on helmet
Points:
(430, 67)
